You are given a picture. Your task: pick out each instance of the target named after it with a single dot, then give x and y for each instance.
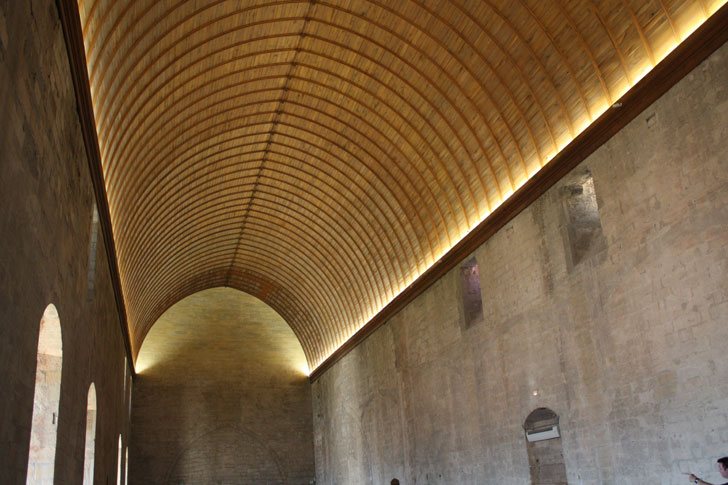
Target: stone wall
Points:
(616, 320)
(45, 223)
(221, 396)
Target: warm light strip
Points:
(642, 71)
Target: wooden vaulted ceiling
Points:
(321, 155)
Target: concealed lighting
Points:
(305, 370)
(594, 113)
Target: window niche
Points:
(472, 300)
(583, 236)
(94, 235)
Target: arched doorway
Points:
(545, 452)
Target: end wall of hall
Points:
(626, 342)
(46, 204)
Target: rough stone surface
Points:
(626, 345)
(221, 396)
(45, 221)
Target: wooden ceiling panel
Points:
(321, 155)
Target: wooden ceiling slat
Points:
(329, 296)
(587, 49)
(381, 46)
(211, 106)
(364, 284)
(299, 78)
(306, 304)
(319, 308)
(136, 84)
(378, 99)
(331, 155)
(122, 188)
(134, 130)
(157, 239)
(641, 32)
(524, 79)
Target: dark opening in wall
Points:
(470, 289)
(583, 237)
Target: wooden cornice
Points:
(686, 56)
(71, 22)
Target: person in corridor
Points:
(722, 469)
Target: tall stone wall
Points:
(45, 222)
(617, 320)
(221, 396)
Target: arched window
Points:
(118, 465)
(90, 451)
(42, 455)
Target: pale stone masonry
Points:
(627, 346)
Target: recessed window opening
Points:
(126, 372)
(471, 296)
(92, 253)
(42, 454)
(129, 394)
(584, 236)
(118, 465)
(90, 448)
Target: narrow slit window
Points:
(129, 394)
(126, 373)
(42, 453)
(92, 253)
(471, 296)
(90, 448)
(118, 465)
